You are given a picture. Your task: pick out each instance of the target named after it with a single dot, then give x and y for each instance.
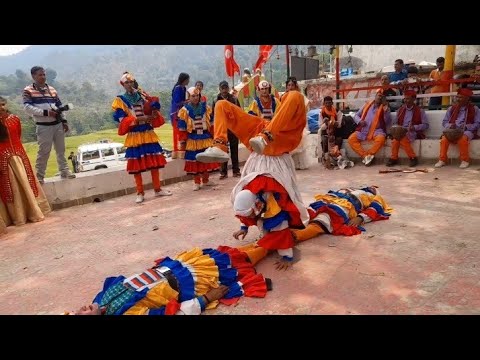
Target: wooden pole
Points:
(337, 73)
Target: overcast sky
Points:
(11, 49)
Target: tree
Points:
(21, 75)
(51, 75)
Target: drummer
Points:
(465, 116)
(414, 120)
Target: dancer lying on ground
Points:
(188, 284)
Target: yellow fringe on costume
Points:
(340, 202)
(183, 113)
(135, 139)
(366, 199)
(119, 104)
(378, 198)
(156, 297)
(202, 268)
(207, 124)
(194, 145)
(254, 107)
(272, 207)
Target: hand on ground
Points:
(282, 264)
(356, 221)
(239, 233)
(217, 293)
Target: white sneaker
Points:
(464, 165)
(196, 187)
(210, 183)
(212, 154)
(258, 144)
(139, 199)
(368, 159)
(163, 193)
(440, 164)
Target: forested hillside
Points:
(88, 75)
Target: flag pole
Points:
(288, 60)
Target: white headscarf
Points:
(192, 90)
(125, 77)
(244, 203)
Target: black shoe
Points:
(237, 174)
(391, 162)
(223, 176)
(268, 282)
(413, 162)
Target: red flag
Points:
(264, 53)
(231, 67)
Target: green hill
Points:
(72, 143)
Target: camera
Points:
(61, 109)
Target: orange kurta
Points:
(286, 127)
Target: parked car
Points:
(100, 155)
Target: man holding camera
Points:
(42, 102)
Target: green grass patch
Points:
(73, 142)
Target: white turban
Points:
(244, 203)
(263, 84)
(125, 77)
(192, 90)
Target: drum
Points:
(148, 108)
(398, 132)
(453, 135)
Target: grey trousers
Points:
(48, 135)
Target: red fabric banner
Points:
(264, 53)
(231, 67)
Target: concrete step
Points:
(104, 184)
(427, 150)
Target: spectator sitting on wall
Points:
(399, 74)
(389, 91)
(412, 81)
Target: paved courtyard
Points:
(424, 260)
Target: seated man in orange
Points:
(372, 119)
(413, 118)
(462, 115)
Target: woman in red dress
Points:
(21, 196)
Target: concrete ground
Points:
(423, 260)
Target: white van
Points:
(100, 155)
